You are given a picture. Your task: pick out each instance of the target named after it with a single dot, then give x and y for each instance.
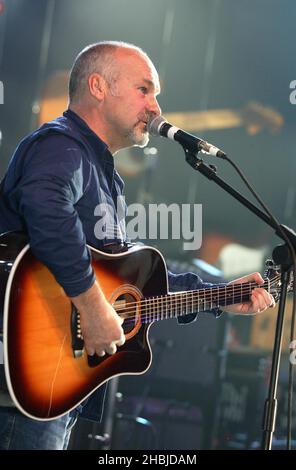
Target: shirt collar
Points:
(98, 144)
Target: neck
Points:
(184, 303)
(97, 124)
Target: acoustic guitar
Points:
(47, 371)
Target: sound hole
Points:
(126, 308)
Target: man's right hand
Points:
(100, 324)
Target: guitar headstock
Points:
(272, 277)
(256, 117)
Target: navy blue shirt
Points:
(57, 179)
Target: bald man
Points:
(58, 176)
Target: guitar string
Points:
(244, 287)
(152, 316)
(177, 303)
(215, 291)
(195, 295)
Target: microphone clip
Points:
(198, 164)
(191, 158)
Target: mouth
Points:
(145, 124)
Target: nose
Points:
(153, 106)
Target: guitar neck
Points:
(183, 303)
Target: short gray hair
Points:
(98, 57)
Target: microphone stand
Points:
(282, 257)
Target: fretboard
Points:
(183, 303)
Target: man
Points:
(55, 180)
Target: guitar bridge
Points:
(76, 335)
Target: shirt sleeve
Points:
(54, 177)
(190, 281)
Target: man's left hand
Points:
(259, 301)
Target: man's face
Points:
(131, 100)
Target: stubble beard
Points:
(137, 139)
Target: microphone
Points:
(160, 126)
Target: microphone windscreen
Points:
(155, 124)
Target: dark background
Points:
(211, 54)
(252, 46)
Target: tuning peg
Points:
(269, 263)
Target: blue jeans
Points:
(18, 432)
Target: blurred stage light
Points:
(2, 5)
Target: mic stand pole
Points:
(282, 257)
(270, 406)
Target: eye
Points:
(143, 89)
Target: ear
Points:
(97, 86)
